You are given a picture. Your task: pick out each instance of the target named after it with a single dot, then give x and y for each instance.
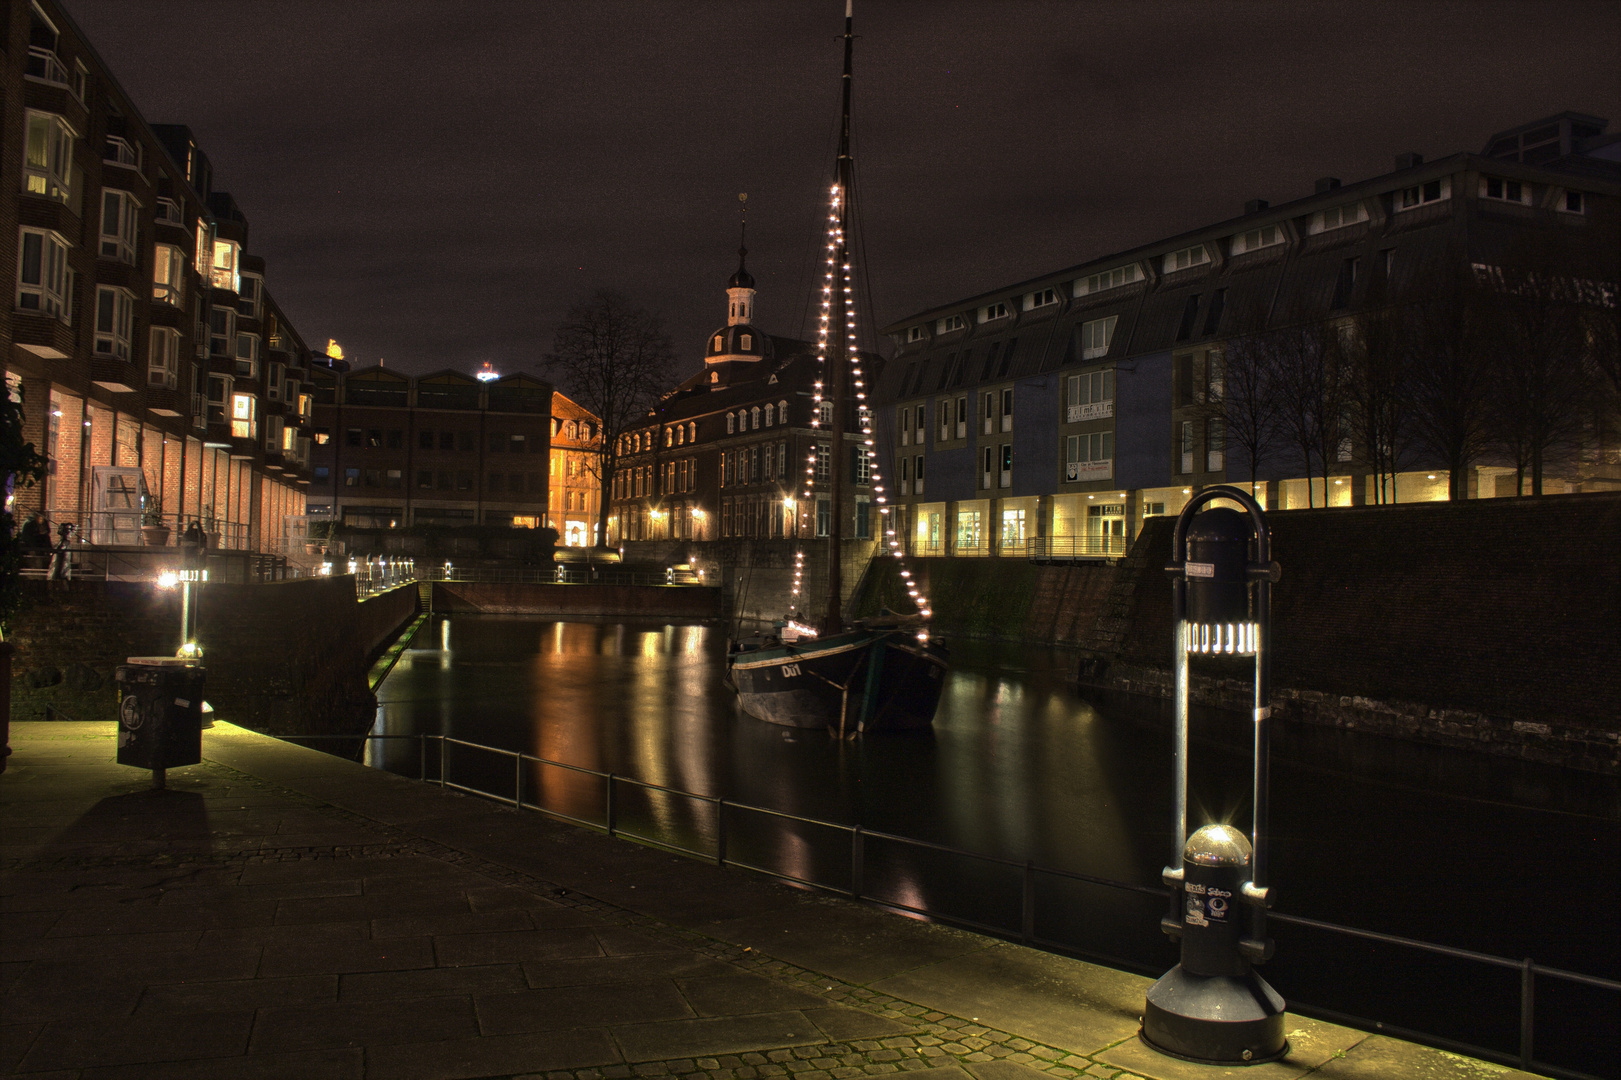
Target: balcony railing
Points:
(1059, 548)
(43, 64)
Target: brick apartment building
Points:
(1052, 415)
(447, 448)
(151, 359)
(724, 453)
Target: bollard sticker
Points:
(1201, 569)
(129, 712)
(1195, 916)
(182, 702)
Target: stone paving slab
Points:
(278, 912)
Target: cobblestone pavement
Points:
(278, 912)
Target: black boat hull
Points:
(832, 683)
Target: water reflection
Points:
(1369, 832)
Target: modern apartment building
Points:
(725, 453)
(1050, 416)
(153, 364)
(448, 448)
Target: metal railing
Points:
(1025, 932)
(1045, 548)
(563, 574)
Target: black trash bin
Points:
(160, 713)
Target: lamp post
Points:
(1213, 1007)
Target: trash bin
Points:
(160, 713)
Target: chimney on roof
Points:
(1255, 206)
(1327, 183)
(1409, 160)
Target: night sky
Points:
(435, 183)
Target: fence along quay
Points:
(1602, 995)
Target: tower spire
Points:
(740, 289)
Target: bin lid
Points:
(164, 661)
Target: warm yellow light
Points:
(168, 579)
(333, 349)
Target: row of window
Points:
(1352, 213)
(427, 439)
(750, 419)
(532, 483)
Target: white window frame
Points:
(1096, 336)
(993, 312)
(1262, 236)
(253, 302)
(1563, 198)
(1119, 277)
(914, 334)
(123, 153)
(1091, 396)
(169, 275)
(950, 323)
(730, 422)
(247, 364)
(225, 265)
(163, 358)
(115, 321)
(1521, 191)
(167, 210)
(1040, 298)
(48, 295)
(48, 168)
(244, 415)
(1337, 217)
(204, 235)
(1186, 258)
(1417, 195)
(120, 225)
(1089, 457)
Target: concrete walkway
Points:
(280, 913)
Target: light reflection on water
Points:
(1368, 832)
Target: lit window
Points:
(163, 358)
(243, 424)
(48, 169)
(1096, 335)
(115, 316)
(1255, 239)
(1337, 217)
(1109, 279)
(226, 271)
(1197, 255)
(1424, 194)
(205, 250)
(42, 273)
(168, 274)
(717, 345)
(118, 224)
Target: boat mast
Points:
(837, 373)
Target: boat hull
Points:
(832, 682)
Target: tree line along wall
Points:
(284, 658)
(1494, 623)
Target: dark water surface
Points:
(1483, 853)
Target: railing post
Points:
(422, 758)
(441, 761)
(1027, 923)
(517, 781)
(720, 832)
(857, 863)
(610, 809)
(1528, 1009)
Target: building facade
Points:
(1051, 416)
(155, 369)
(576, 470)
(725, 454)
(394, 451)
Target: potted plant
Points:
(154, 533)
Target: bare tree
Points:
(615, 360)
(1450, 356)
(1376, 391)
(1309, 388)
(1248, 400)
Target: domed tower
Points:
(739, 339)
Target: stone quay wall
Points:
(1493, 623)
(623, 601)
(283, 658)
(1007, 599)
(756, 577)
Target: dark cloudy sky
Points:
(435, 183)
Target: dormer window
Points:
(1571, 202)
(782, 412)
(730, 420)
(1040, 298)
(1197, 255)
(1109, 279)
(991, 312)
(1424, 194)
(769, 414)
(914, 334)
(1337, 217)
(950, 323)
(1494, 187)
(755, 416)
(1255, 239)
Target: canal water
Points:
(1483, 853)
